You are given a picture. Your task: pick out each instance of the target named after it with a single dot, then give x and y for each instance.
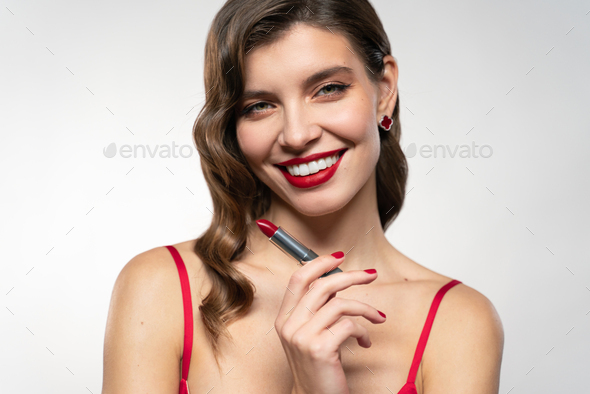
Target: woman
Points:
(287, 79)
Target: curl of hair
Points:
(238, 196)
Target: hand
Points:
(307, 330)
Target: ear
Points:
(387, 87)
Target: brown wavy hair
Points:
(239, 197)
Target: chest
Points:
(255, 362)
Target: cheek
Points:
(353, 119)
(253, 144)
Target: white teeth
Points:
(313, 166)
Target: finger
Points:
(300, 313)
(313, 270)
(300, 281)
(322, 290)
(319, 293)
(344, 329)
(338, 307)
(331, 296)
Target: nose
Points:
(300, 128)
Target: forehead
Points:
(296, 54)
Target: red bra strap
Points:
(426, 330)
(188, 311)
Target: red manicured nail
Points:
(371, 271)
(338, 255)
(381, 313)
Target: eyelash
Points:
(341, 88)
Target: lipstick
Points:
(289, 244)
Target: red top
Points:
(188, 318)
(408, 388)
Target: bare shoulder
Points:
(465, 346)
(149, 284)
(144, 331)
(156, 272)
(463, 308)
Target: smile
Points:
(314, 172)
(313, 166)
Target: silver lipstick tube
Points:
(295, 249)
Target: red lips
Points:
(315, 156)
(313, 179)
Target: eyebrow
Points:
(318, 76)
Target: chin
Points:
(321, 203)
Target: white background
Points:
(76, 76)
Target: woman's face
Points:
(289, 111)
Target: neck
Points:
(355, 229)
